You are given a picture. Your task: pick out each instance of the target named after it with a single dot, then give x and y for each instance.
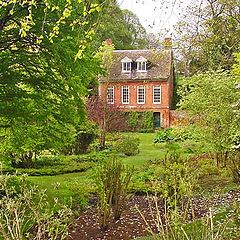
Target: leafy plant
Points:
(112, 179)
(139, 121)
(127, 145)
(174, 180)
(85, 135)
(165, 135)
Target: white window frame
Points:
(127, 96)
(126, 67)
(138, 94)
(141, 66)
(154, 94)
(110, 100)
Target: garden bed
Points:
(131, 225)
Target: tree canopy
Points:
(44, 70)
(123, 27)
(208, 35)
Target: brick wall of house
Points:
(163, 108)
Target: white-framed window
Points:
(141, 94)
(110, 95)
(126, 65)
(157, 94)
(141, 64)
(125, 94)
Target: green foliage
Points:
(179, 134)
(213, 47)
(138, 121)
(209, 99)
(55, 165)
(112, 179)
(86, 133)
(122, 26)
(164, 135)
(174, 179)
(43, 73)
(25, 212)
(127, 145)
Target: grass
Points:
(148, 151)
(79, 185)
(66, 186)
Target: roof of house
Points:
(159, 64)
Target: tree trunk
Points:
(103, 134)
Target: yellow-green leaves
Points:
(67, 12)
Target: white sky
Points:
(156, 15)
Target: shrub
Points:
(174, 179)
(127, 145)
(85, 135)
(165, 135)
(140, 120)
(55, 165)
(112, 179)
(170, 135)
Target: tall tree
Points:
(123, 27)
(45, 70)
(106, 115)
(208, 35)
(210, 99)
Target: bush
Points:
(174, 179)
(112, 179)
(85, 135)
(55, 165)
(179, 134)
(128, 145)
(140, 120)
(165, 135)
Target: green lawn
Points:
(65, 186)
(148, 151)
(77, 185)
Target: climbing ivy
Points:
(140, 121)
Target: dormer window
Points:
(126, 65)
(141, 64)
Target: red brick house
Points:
(141, 80)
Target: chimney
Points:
(108, 41)
(167, 43)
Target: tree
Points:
(208, 35)
(44, 72)
(209, 99)
(107, 116)
(123, 27)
